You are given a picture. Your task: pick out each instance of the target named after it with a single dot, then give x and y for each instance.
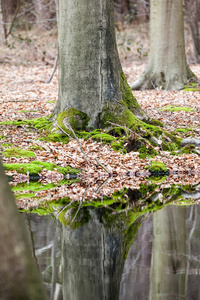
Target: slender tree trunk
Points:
(19, 277)
(90, 74)
(2, 23)
(192, 12)
(167, 67)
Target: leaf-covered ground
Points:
(25, 95)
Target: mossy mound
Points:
(17, 152)
(36, 167)
(103, 137)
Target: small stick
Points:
(75, 138)
(53, 71)
(100, 164)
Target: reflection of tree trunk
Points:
(136, 273)
(19, 277)
(193, 261)
(168, 254)
(92, 260)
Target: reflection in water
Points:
(163, 261)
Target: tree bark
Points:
(192, 12)
(167, 67)
(90, 73)
(19, 277)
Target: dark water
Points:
(105, 255)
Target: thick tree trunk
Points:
(19, 277)
(90, 73)
(167, 67)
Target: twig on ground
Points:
(101, 165)
(75, 138)
(54, 69)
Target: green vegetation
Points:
(2, 137)
(36, 167)
(157, 167)
(176, 108)
(17, 152)
(146, 151)
(7, 145)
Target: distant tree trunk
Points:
(19, 277)
(43, 13)
(167, 67)
(2, 23)
(90, 74)
(192, 12)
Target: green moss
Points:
(104, 137)
(117, 146)
(184, 129)
(146, 151)
(158, 167)
(187, 149)
(154, 122)
(35, 147)
(7, 145)
(117, 131)
(176, 108)
(2, 137)
(78, 119)
(38, 123)
(26, 195)
(192, 87)
(17, 152)
(36, 167)
(127, 96)
(56, 137)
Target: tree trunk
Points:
(19, 277)
(90, 74)
(167, 67)
(192, 12)
(2, 23)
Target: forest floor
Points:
(25, 95)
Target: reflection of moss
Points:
(35, 167)
(17, 152)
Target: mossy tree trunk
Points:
(90, 74)
(167, 67)
(19, 277)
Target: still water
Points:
(108, 255)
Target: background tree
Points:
(19, 276)
(192, 10)
(167, 66)
(90, 74)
